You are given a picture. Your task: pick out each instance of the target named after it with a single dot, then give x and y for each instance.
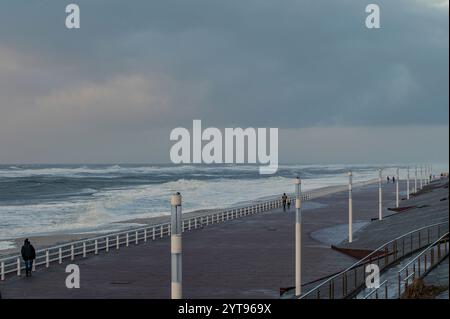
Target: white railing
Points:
(84, 247)
(71, 250)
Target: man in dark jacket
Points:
(28, 255)
(284, 200)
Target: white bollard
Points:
(176, 247)
(298, 238)
(407, 183)
(350, 207)
(397, 190)
(380, 195)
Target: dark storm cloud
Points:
(159, 64)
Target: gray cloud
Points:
(154, 65)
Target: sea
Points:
(39, 200)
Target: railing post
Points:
(18, 266)
(161, 230)
(72, 252)
(407, 278)
(47, 259)
(425, 262)
(117, 242)
(176, 246)
(418, 265)
(107, 244)
(2, 271)
(153, 233)
(60, 255)
(145, 234)
(189, 224)
(96, 247)
(84, 249)
(403, 247)
(127, 240)
(137, 237)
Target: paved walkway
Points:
(252, 257)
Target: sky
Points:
(111, 91)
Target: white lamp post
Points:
(176, 246)
(298, 237)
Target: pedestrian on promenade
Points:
(393, 179)
(289, 204)
(284, 200)
(388, 180)
(28, 255)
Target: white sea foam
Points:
(105, 207)
(7, 245)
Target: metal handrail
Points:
(428, 249)
(375, 291)
(424, 251)
(368, 257)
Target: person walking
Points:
(28, 255)
(284, 200)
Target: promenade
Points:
(251, 257)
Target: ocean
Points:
(72, 199)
